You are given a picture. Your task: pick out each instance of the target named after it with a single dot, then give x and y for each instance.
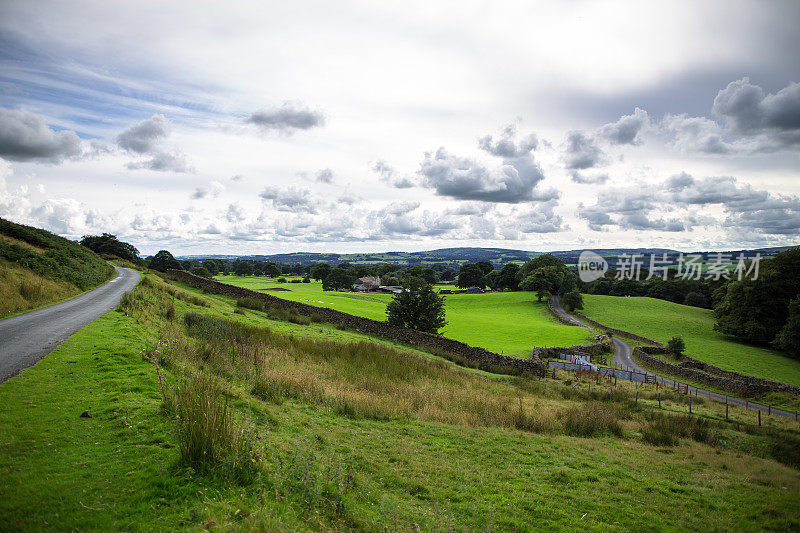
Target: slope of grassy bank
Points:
(321, 435)
(660, 320)
(38, 268)
(510, 323)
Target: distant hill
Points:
(37, 267)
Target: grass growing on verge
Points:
(660, 320)
(321, 468)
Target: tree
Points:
(163, 261)
(572, 300)
(696, 299)
(338, 279)
(320, 271)
(485, 266)
(109, 244)
(470, 275)
(508, 277)
(493, 280)
(272, 270)
(200, 271)
(212, 265)
(788, 337)
(242, 268)
(447, 275)
(676, 346)
(418, 308)
(546, 274)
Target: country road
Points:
(27, 338)
(623, 359)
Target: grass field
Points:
(660, 320)
(396, 443)
(511, 323)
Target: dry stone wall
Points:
(454, 350)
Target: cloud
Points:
(290, 199)
(506, 145)
(539, 218)
(25, 137)
(579, 177)
(325, 176)
(387, 174)
(145, 137)
(626, 130)
(237, 177)
(582, 151)
(287, 118)
(213, 190)
(747, 121)
(465, 179)
(199, 193)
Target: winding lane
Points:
(27, 338)
(623, 359)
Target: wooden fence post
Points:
(769, 409)
(659, 400)
(759, 418)
(690, 404)
(637, 397)
(726, 407)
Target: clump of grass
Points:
(663, 429)
(590, 420)
(277, 312)
(209, 439)
(31, 291)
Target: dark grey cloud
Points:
(506, 146)
(289, 199)
(388, 175)
(580, 177)
(25, 137)
(747, 121)
(325, 176)
(582, 151)
(626, 130)
(465, 179)
(287, 118)
(145, 137)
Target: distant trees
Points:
(272, 270)
(242, 268)
(485, 266)
(200, 271)
(320, 271)
(546, 274)
(338, 279)
(212, 265)
(696, 299)
(788, 337)
(163, 261)
(417, 308)
(109, 244)
(471, 275)
(508, 277)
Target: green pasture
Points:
(660, 320)
(511, 323)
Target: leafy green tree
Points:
(676, 345)
(109, 244)
(212, 265)
(320, 271)
(418, 308)
(696, 299)
(447, 275)
(163, 261)
(493, 280)
(338, 279)
(485, 266)
(572, 300)
(272, 270)
(540, 261)
(471, 275)
(242, 268)
(753, 310)
(200, 271)
(788, 338)
(508, 277)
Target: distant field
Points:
(511, 323)
(660, 320)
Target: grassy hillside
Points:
(511, 323)
(660, 320)
(312, 428)
(37, 268)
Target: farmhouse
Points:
(367, 283)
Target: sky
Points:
(264, 127)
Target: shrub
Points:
(306, 280)
(207, 435)
(590, 420)
(665, 429)
(676, 345)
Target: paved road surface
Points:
(623, 359)
(26, 338)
